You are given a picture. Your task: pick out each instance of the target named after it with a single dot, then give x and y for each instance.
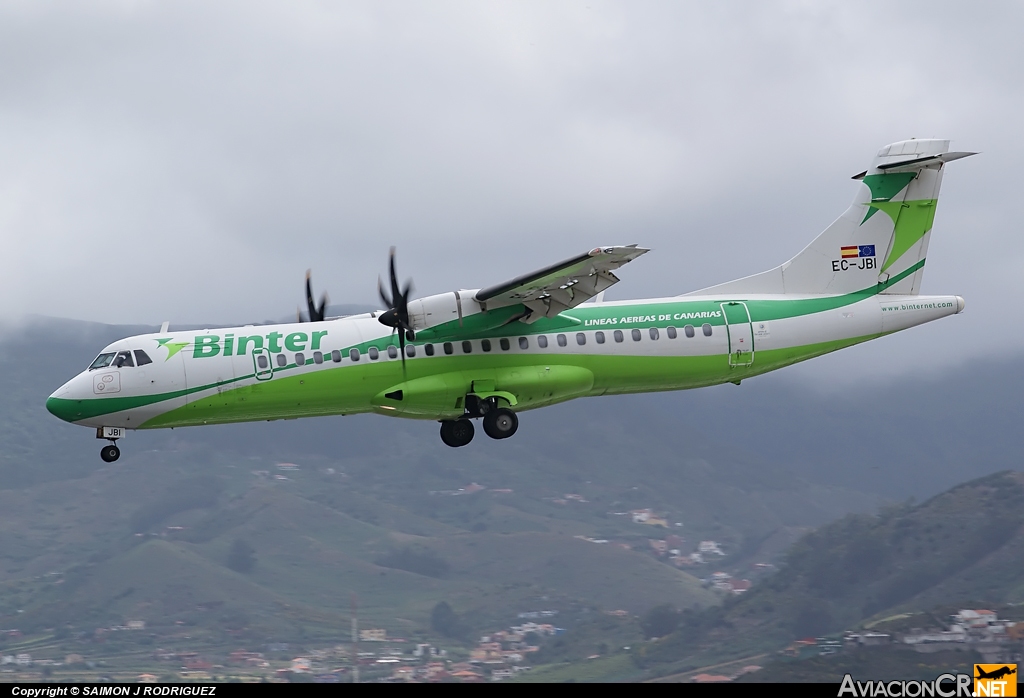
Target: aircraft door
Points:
(740, 333)
(262, 364)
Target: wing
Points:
(549, 291)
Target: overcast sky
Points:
(188, 161)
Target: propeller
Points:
(397, 315)
(316, 314)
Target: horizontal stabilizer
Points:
(918, 163)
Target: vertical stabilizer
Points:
(881, 239)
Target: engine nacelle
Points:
(442, 308)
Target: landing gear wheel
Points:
(456, 432)
(110, 453)
(500, 423)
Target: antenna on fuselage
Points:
(163, 327)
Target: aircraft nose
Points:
(60, 404)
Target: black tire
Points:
(456, 432)
(110, 453)
(500, 423)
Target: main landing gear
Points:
(456, 432)
(499, 422)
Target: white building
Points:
(709, 547)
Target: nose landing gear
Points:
(110, 453)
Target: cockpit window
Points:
(102, 361)
(142, 358)
(123, 359)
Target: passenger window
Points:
(102, 361)
(503, 342)
(282, 360)
(448, 348)
(636, 335)
(671, 333)
(300, 359)
(654, 333)
(142, 358)
(262, 362)
(318, 356)
(123, 360)
(374, 353)
(485, 344)
(428, 349)
(353, 354)
(336, 356)
(392, 352)
(707, 329)
(561, 340)
(542, 341)
(410, 350)
(467, 347)
(524, 343)
(618, 335)
(581, 338)
(688, 330)
(599, 337)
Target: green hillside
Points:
(151, 543)
(964, 545)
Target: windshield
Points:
(123, 359)
(102, 360)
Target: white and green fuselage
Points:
(855, 282)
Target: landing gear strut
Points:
(456, 432)
(110, 453)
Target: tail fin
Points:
(862, 249)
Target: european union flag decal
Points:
(866, 251)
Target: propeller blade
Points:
(322, 310)
(383, 296)
(315, 314)
(396, 293)
(401, 347)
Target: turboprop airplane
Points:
(534, 341)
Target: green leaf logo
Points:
(171, 347)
